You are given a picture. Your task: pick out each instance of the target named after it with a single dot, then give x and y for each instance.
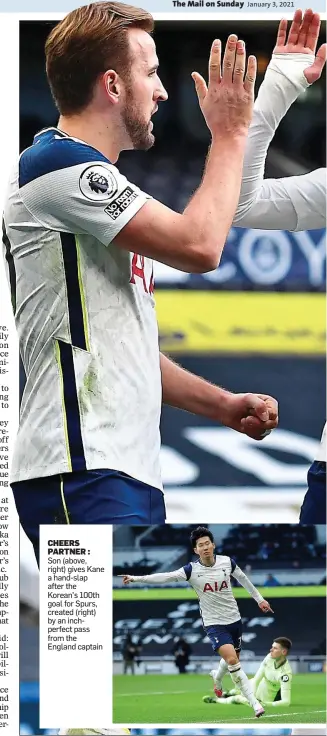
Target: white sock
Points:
(219, 673)
(243, 683)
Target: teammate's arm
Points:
(297, 202)
(240, 576)
(158, 578)
(285, 693)
(252, 414)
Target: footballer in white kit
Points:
(294, 202)
(79, 242)
(291, 203)
(210, 578)
(94, 358)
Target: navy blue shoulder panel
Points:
(188, 570)
(52, 152)
(233, 564)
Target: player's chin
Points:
(145, 143)
(150, 136)
(151, 140)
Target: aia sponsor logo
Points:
(215, 587)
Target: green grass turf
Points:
(169, 699)
(140, 594)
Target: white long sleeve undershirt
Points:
(240, 576)
(289, 203)
(158, 578)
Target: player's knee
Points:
(232, 659)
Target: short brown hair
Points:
(86, 43)
(284, 642)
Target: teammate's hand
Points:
(252, 414)
(302, 39)
(265, 607)
(126, 579)
(227, 101)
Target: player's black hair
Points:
(284, 642)
(201, 531)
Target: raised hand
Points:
(302, 38)
(227, 101)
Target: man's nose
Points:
(162, 94)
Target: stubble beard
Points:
(137, 129)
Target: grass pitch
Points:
(173, 699)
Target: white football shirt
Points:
(85, 316)
(212, 585)
(289, 203)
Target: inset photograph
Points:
(218, 623)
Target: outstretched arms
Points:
(158, 578)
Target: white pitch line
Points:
(175, 692)
(235, 720)
(277, 715)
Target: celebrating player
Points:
(295, 202)
(272, 683)
(79, 242)
(210, 579)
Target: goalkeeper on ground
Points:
(272, 683)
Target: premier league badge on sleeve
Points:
(98, 184)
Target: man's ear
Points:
(113, 86)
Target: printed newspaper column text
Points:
(8, 554)
(75, 626)
(5, 602)
(9, 369)
(4, 363)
